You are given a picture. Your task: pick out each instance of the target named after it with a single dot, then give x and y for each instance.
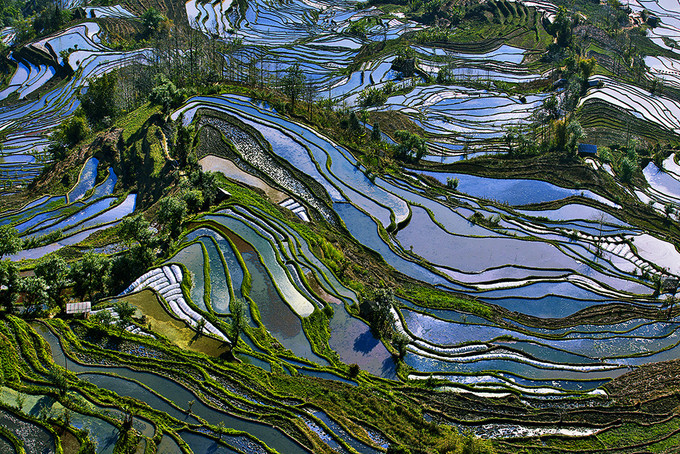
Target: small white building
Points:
(83, 307)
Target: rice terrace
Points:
(317, 226)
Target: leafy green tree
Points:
(626, 168)
(99, 101)
(55, 272)
(58, 377)
(70, 132)
(183, 141)
(381, 315)
(376, 133)
(194, 200)
(200, 325)
(103, 317)
(34, 290)
(206, 183)
(125, 311)
(400, 342)
(238, 321)
(154, 21)
(90, 274)
(354, 124)
(10, 243)
(411, 146)
(293, 83)
(51, 19)
(166, 94)
(9, 283)
(171, 213)
(135, 230)
(142, 242)
(561, 27)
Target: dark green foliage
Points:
(411, 146)
(239, 320)
(51, 19)
(194, 200)
(135, 229)
(354, 124)
(626, 168)
(171, 213)
(58, 377)
(9, 283)
(397, 449)
(373, 96)
(10, 12)
(99, 102)
(166, 94)
(376, 133)
(90, 274)
(103, 317)
(452, 183)
(125, 311)
(380, 312)
(293, 83)
(136, 234)
(69, 133)
(34, 290)
(154, 21)
(561, 27)
(206, 184)
(405, 62)
(10, 243)
(184, 141)
(55, 272)
(400, 342)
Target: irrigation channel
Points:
(532, 248)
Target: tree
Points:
(68, 134)
(381, 313)
(586, 65)
(200, 325)
(10, 243)
(154, 21)
(58, 377)
(55, 272)
(171, 213)
(103, 317)
(626, 168)
(35, 293)
(135, 229)
(668, 209)
(99, 101)
(293, 83)
(238, 321)
(166, 94)
(354, 124)
(561, 28)
(400, 342)
(376, 133)
(411, 146)
(551, 107)
(9, 283)
(90, 274)
(183, 141)
(574, 134)
(51, 18)
(206, 183)
(125, 311)
(194, 200)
